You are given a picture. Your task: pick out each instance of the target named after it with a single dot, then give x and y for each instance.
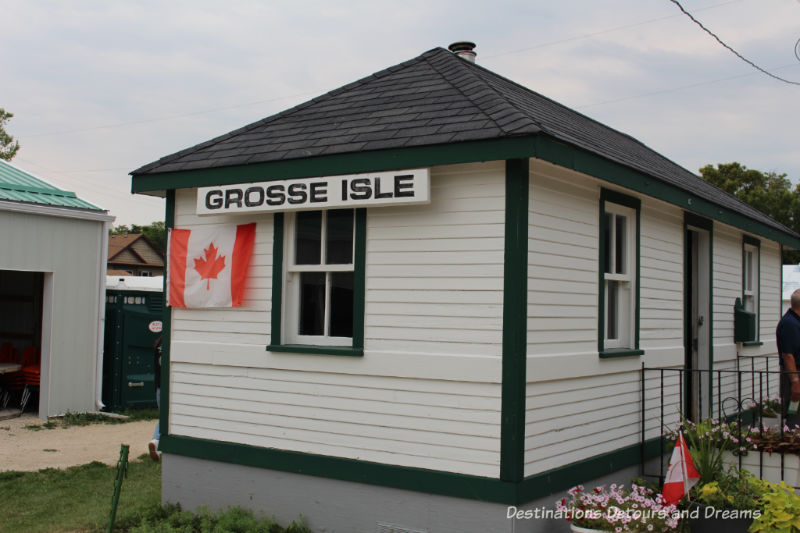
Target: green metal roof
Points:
(19, 186)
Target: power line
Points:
(737, 54)
(600, 32)
(674, 89)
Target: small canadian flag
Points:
(208, 266)
(681, 473)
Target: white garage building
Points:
(52, 286)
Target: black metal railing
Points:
(670, 395)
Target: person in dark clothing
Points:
(152, 446)
(788, 336)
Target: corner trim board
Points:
(515, 327)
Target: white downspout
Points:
(101, 309)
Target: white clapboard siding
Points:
(570, 419)
(727, 272)
(248, 324)
(434, 296)
(661, 276)
(662, 402)
(562, 261)
(435, 272)
(770, 291)
(410, 422)
(579, 418)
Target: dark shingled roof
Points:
(436, 98)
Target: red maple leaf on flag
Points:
(209, 266)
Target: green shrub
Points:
(172, 519)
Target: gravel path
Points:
(28, 450)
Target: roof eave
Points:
(539, 146)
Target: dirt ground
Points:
(29, 450)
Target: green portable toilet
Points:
(134, 307)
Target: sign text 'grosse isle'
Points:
(355, 190)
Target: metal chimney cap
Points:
(464, 50)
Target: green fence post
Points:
(122, 472)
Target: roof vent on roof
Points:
(464, 50)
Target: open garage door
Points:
(21, 297)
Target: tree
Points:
(769, 192)
(8, 146)
(155, 232)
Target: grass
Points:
(84, 419)
(77, 498)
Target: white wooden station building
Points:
(454, 286)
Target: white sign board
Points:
(155, 326)
(354, 190)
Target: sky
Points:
(99, 88)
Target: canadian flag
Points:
(208, 266)
(681, 473)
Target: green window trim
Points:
(359, 293)
(316, 350)
(620, 352)
(624, 200)
(747, 240)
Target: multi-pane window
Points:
(619, 273)
(750, 276)
(320, 277)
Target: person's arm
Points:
(794, 378)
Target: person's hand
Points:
(796, 390)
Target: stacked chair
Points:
(8, 354)
(31, 374)
(26, 380)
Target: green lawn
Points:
(77, 498)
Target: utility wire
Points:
(737, 54)
(674, 89)
(600, 32)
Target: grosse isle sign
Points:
(355, 190)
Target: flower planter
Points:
(579, 529)
(767, 466)
(770, 422)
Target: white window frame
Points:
(625, 316)
(751, 272)
(291, 286)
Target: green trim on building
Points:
(620, 352)
(615, 197)
(359, 280)
(276, 315)
(540, 146)
(166, 327)
(333, 165)
(359, 293)
(515, 321)
(316, 350)
(414, 479)
(586, 162)
(691, 219)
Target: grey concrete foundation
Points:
(333, 506)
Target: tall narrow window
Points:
(750, 276)
(619, 257)
(319, 278)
